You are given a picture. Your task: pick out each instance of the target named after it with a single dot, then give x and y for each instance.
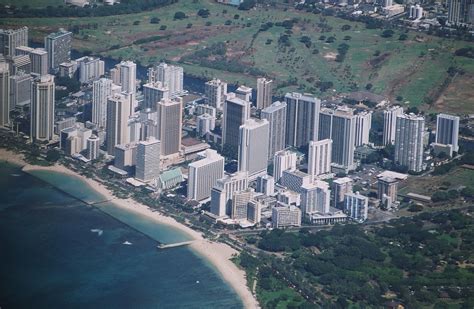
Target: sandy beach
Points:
(218, 254)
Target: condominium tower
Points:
(302, 119)
(276, 116)
(42, 108)
(409, 141)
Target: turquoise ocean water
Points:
(53, 255)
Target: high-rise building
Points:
(362, 128)
(302, 118)
(240, 202)
(356, 206)
(58, 46)
(389, 124)
(244, 93)
(254, 212)
(205, 123)
(20, 89)
(93, 144)
(283, 160)
(10, 39)
(205, 109)
(115, 75)
(170, 122)
(387, 188)
(154, 93)
(20, 63)
(409, 141)
(415, 12)
(4, 94)
(339, 125)
(118, 110)
(447, 130)
(319, 158)
(203, 175)
(460, 12)
(101, 90)
(128, 76)
(315, 197)
(295, 180)
(148, 160)
(285, 216)
(125, 157)
(223, 192)
(276, 116)
(170, 77)
(39, 61)
(264, 92)
(42, 108)
(215, 91)
(266, 185)
(339, 188)
(236, 112)
(90, 69)
(253, 147)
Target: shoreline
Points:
(217, 254)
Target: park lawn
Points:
(413, 69)
(428, 185)
(32, 3)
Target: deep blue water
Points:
(49, 258)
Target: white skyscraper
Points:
(266, 185)
(170, 77)
(101, 90)
(223, 192)
(4, 94)
(302, 119)
(339, 188)
(363, 126)
(236, 112)
(356, 206)
(204, 124)
(389, 124)
(93, 144)
(170, 122)
(447, 130)
(264, 92)
(244, 93)
(339, 125)
(118, 111)
(276, 116)
(10, 39)
(315, 197)
(154, 93)
(148, 160)
(39, 61)
(253, 147)
(42, 108)
(128, 76)
(215, 91)
(284, 160)
(90, 69)
(20, 89)
(409, 141)
(319, 158)
(203, 175)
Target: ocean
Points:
(58, 252)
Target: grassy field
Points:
(32, 3)
(428, 185)
(413, 69)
